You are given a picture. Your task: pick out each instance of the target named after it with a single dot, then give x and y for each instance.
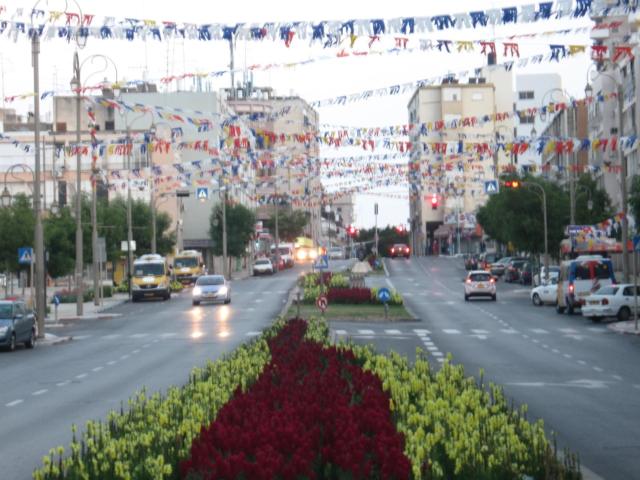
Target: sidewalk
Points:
(627, 327)
(67, 311)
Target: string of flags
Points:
(49, 25)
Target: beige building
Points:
(448, 188)
(287, 170)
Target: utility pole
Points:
(231, 68)
(94, 235)
(375, 212)
(571, 166)
(129, 221)
(152, 203)
(623, 187)
(75, 83)
(41, 291)
(225, 261)
(277, 204)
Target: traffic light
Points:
(434, 202)
(351, 231)
(400, 228)
(512, 184)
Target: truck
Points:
(305, 249)
(188, 265)
(286, 254)
(151, 278)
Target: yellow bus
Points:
(188, 265)
(151, 278)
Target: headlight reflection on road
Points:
(222, 317)
(197, 315)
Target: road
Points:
(154, 344)
(580, 377)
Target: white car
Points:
(263, 266)
(554, 270)
(479, 283)
(336, 253)
(547, 292)
(211, 288)
(610, 301)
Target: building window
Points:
(526, 119)
(451, 94)
(525, 95)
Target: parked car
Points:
(498, 267)
(512, 270)
(479, 283)
(17, 325)
(554, 270)
(547, 293)
(526, 273)
(336, 253)
(263, 266)
(400, 250)
(579, 278)
(211, 288)
(486, 259)
(610, 301)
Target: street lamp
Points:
(544, 219)
(623, 169)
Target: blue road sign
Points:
(25, 255)
(202, 193)
(491, 187)
(636, 243)
(384, 295)
(56, 300)
(322, 263)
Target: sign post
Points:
(25, 257)
(636, 247)
(384, 295)
(56, 302)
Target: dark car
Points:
(526, 274)
(17, 325)
(400, 250)
(512, 270)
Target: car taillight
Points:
(406, 249)
(392, 250)
(468, 280)
(492, 280)
(571, 288)
(605, 301)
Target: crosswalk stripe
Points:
(341, 332)
(437, 354)
(252, 334)
(393, 332)
(480, 332)
(508, 330)
(366, 332)
(538, 330)
(568, 330)
(139, 335)
(451, 331)
(421, 332)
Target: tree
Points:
(291, 224)
(387, 237)
(17, 226)
(59, 237)
(240, 228)
(601, 209)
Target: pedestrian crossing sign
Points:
(202, 193)
(322, 262)
(491, 187)
(25, 255)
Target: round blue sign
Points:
(384, 295)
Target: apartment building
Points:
(447, 189)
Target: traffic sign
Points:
(322, 303)
(384, 295)
(322, 262)
(25, 255)
(491, 187)
(202, 193)
(56, 300)
(636, 243)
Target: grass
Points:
(352, 312)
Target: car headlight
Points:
(197, 291)
(223, 290)
(4, 330)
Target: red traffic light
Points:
(512, 184)
(434, 202)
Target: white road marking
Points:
(112, 362)
(509, 331)
(14, 403)
(480, 332)
(124, 357)
(421, 332)
(156, 341)
(437, 354)
(541, 331)
(257, 300)
(82, 375)
(617, 377)
(407, 294)
(97, 369)
(62, 384)
(524, 335)
(389, 283)
(555, 350)
(251, 309)
(432, 349)
(39, 392)
(146, 345)
(139, 335)
(598, 369)
(429, 344)
(534, 340)
(544, 345)
(393, 332)
(479, 337)
(451, 331)
(366, 332)
(135, 352)
(582, 362)
(566, 355)
(252, 334)
(441, 360)
(575, 337)
(568, 330)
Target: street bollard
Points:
(386, 311)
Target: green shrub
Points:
(176, 286)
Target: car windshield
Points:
(212, 280)
(145, 269)
(186, 262)
(263, 261)
(608, 290)
(5, 310)
(480, 277)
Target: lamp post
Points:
(544, 219)
(624, 200)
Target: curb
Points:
(289, 302)
(622, 331)
(105, 316)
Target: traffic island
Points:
(288, 404)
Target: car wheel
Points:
(31, 343)
(596, 319)
(466, 298)
(12, 342)
(559, 309)
(195, 303)
(570, 309)
(494, 297)
(623, 314)
(227, 301)
(536, 300)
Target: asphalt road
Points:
(154, 344)
(580, 377)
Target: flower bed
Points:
(313, 413)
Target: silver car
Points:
(17, 325)
(211, 288)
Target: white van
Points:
(286, 253)
(579, 278)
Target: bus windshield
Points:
(186, 262)
(146, 269)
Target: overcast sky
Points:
(323, 79)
